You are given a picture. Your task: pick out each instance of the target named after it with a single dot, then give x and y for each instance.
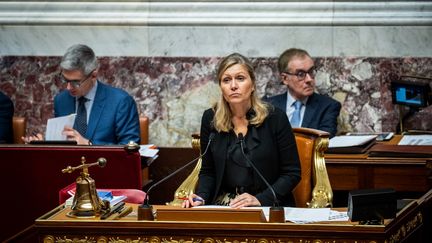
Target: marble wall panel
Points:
(174, 91)
(182, 28)
(207, 41)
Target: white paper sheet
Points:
(416, 140)
(306, 215)
(301, 215)
(350, 141)
(56, 125)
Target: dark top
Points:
(6, 117)
(321, 111)
(272, 149)
(238, 173)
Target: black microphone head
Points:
(240, 136)
(212, 135)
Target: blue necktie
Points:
(295, 119)
(81, 118)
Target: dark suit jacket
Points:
(113, 118)
(321, 111)
(6, 115)
(274, 153)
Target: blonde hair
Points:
(222, 118)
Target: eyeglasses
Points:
(75, 83)
(301, 75)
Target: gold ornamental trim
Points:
(168, 239)
(406, 229)
(322, 193)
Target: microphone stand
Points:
(277, 213)
(145, 210)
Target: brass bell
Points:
(86, 202)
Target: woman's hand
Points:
(244, 200)
(193, 201)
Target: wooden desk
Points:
(402, 174)
(361, 171)
(57, 227)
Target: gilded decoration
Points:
(401, 233)
(127, 240)
(406, 228)
(322, 194)
(66, 239)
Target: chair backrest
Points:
(144, 137)
(314, 189)
(19, 126)
(144, 129)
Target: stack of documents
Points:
(311, 215)
(103, 195)
(149, 151)
(351, 143)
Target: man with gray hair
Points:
(304, 107)
(104, 114)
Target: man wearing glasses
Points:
(104, 114)
(304, 107)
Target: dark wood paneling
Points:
(168, 161)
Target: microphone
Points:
(275, 200)
(277, 213)
(146, 203)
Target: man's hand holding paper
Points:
(56, 127)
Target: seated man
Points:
(6, 116)
(304, 107)
(104, 114)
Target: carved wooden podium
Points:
(408, 226)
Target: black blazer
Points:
(274, 153)
(6, 116)
(321, 111)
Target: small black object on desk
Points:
(115, 209)
(372, 206)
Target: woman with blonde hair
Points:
(240, 125)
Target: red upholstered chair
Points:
(132, 195)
